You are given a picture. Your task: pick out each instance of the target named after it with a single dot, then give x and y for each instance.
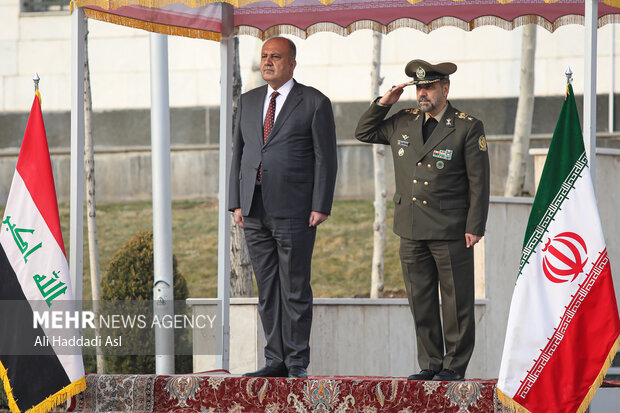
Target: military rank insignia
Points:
(413, 111)
(482, 143)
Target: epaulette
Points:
(463, 115)
(413, 111)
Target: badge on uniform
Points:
(482, 143)
(403, 143)
(440, 164)
(443, 154)
(401, 152)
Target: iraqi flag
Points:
(39, 366)
(563, 325)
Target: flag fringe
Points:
(599, 380)
(515, 407)
(49, 403)
(60, 397)
(510, 404)
(7, 388)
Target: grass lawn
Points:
(342, 254)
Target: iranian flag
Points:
(38, 365)
(563, 325)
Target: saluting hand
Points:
(393, 94)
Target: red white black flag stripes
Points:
(34, 277)
(563, 326)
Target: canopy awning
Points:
(302, 18)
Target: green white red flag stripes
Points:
(34, 276)
(563, 326)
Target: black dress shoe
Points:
(448, 375)
(425, 374)
(297, 372)
(268, 371)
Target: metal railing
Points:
(30, 6)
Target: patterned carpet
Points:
(209, 392)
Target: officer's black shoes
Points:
(448, 375)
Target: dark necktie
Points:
(267, 126)
(428, 128)
(270, 116)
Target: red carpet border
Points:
(227, 393)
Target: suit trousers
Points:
(431, 268)
(281, 254)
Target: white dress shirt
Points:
(284, 90)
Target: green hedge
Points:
(130, 277)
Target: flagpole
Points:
(163, 289)
(222, 360)
(589, 90)
(76, 221)
(36, 80)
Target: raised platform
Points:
(221, 392)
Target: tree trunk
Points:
(378, 250)
(91, 208)
(240, 266)
(525, 111)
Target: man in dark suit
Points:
(441, 167)
(282, 182)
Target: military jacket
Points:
(442, 186)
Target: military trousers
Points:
(281, 254)
(441, 268)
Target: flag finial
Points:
(569, 75)
(36, 79)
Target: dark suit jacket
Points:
(442, 186)
(299, 158)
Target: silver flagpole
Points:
(223, 254)
(163, 291)
(589, 89)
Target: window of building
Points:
(29, 6)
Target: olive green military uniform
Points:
(442, 192)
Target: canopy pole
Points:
(223, 253)
(76, 220)
(612, 77)
(163, 290)
(589, 90)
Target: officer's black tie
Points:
(428, 128)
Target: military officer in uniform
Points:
(441, 167)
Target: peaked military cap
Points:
(423, 72)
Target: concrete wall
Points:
(200, 125)
(123, 174)
(350, 336)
